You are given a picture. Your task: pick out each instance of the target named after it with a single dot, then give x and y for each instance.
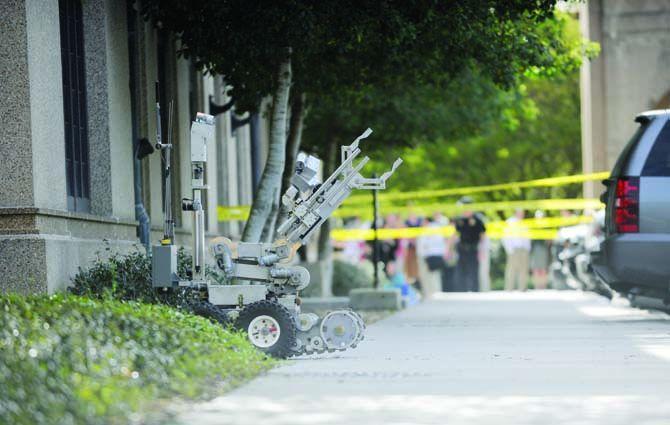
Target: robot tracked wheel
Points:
(342, 329)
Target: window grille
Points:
(74, 105)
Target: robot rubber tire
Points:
(270, 327)
(209, 311)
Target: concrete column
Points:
(227, 160)
(222, 125)
(97, 104)
(244, 165)
(31, 138)
(630, 75)
(16, 178)
(213, 166)
(592, 90)
(120, 128)
(46, 104)
(182, 134)
(108, 105)
(31, 106)
(153, 176)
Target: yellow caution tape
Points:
(228, 213)
(452, 209)
(233, 213)
(545, 182)
(400, 233)
(343, 235)
(545, 222)
(532, 228)
(242, 212)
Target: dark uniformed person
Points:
(470, 229)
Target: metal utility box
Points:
(201, 132)
(164, 266)
(233, 294)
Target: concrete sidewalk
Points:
(489, 358)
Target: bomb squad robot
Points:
(261, 290)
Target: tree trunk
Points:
(269, 186)
(325, 248)
(298, 114)
(271, 222)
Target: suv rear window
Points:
(623, 157)
(658, 161)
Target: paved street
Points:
(492, 358)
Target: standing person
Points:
(411, 261)
(354, 251)
(431, 250)
(449, 271)
(471, 231)
(397, 281)
(485, 264)
(388, 248)
(517, 248)
(540, 259)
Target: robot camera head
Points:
(306, 172)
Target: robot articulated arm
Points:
(309, 203)
(377, 183)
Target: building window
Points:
(74, 105)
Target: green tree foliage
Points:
(536, 134)
(344, 46)
(472, 132)
(404, 116)
(453, 105)
(349, 43)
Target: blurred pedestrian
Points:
(449, 270)
(517, 247)
(388, 248)
(485, 264)
(540, 259)
(397, 281)
(401, 244)
(354, 251)
(411, 260)
(432, 251)
(470, 231)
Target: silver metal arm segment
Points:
(308, 209)
(379, 183)
(310, 203)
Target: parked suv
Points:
(634, 258)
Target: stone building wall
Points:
(42, 244)
(630, 75)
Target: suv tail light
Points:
(627, 205)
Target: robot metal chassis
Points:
(265, 301)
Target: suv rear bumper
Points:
(635, 260)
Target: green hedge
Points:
(68, 359)
(127, 277)
(348, 276)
